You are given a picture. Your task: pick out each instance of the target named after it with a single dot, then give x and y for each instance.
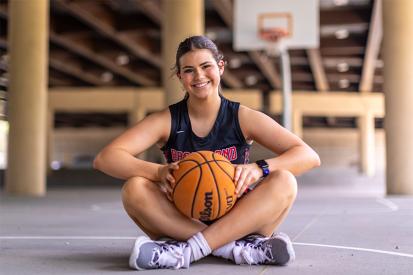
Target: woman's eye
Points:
(187, 71)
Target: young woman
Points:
(205, 120)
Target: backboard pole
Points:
(285, 69)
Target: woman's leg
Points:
(260, 211)
(154, 213)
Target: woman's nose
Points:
(198, 73)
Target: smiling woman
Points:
(199, 69)
(206, 120)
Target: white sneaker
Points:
(255, 249)
(148, 254)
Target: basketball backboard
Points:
(299, 17)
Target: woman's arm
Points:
(293, 154)
(118, 159)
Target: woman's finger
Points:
(240, 181)
(168, 187)
(173, 166)
(163, 188)
(247, 183)
(238, 170)
(170, 178)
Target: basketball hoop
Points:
(274, 39)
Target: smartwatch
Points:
(264, 166)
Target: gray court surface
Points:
(341, 224)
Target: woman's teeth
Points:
(200, 85)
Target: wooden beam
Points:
(102, 25)
(225, 10)
(151, 8)
(82, 50)
(317, 68)
(231, 80)
(3, 43)
(74, 71)
(344, 16)
(89, 54)
(59, 81)
(334, 77)
(3, 10)
(341, 51)
(372, 48)
(267, 68)
(68, 69)
(128, 99)
(332, 103)
(78, 99)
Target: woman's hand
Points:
(245, 175)
(166, 178)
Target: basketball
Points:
(204, 188)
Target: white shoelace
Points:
(256, 255)
(171, 257)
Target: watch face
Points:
(262, 163)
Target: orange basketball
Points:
(204, 188)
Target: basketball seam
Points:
(223, 170)
(196, 190)
(215, 181)
(187, 172)
(198, 165)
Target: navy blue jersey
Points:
(225, 138)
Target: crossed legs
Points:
(260, 211)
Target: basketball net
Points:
(274, 39)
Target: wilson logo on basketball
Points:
(230, 202)
(205, 214)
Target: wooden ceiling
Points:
(100, 43)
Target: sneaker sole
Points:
(135, 252)
(282, 249)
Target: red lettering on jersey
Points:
(225, 153)
(178, 155)
(173, 155)
(233, 153)
(230, 153)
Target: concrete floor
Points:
(341, 224)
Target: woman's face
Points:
(199, 73)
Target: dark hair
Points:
(193, 43)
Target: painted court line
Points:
(66, 238)
(133, 238)
(388, 203)
(357, 249)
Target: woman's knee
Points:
(135, 191)
(283, 182)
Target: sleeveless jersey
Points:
(225, 137)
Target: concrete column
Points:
(398, 88)
(50, 140)
(367, 143)
(182, 18)
(27, 105)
